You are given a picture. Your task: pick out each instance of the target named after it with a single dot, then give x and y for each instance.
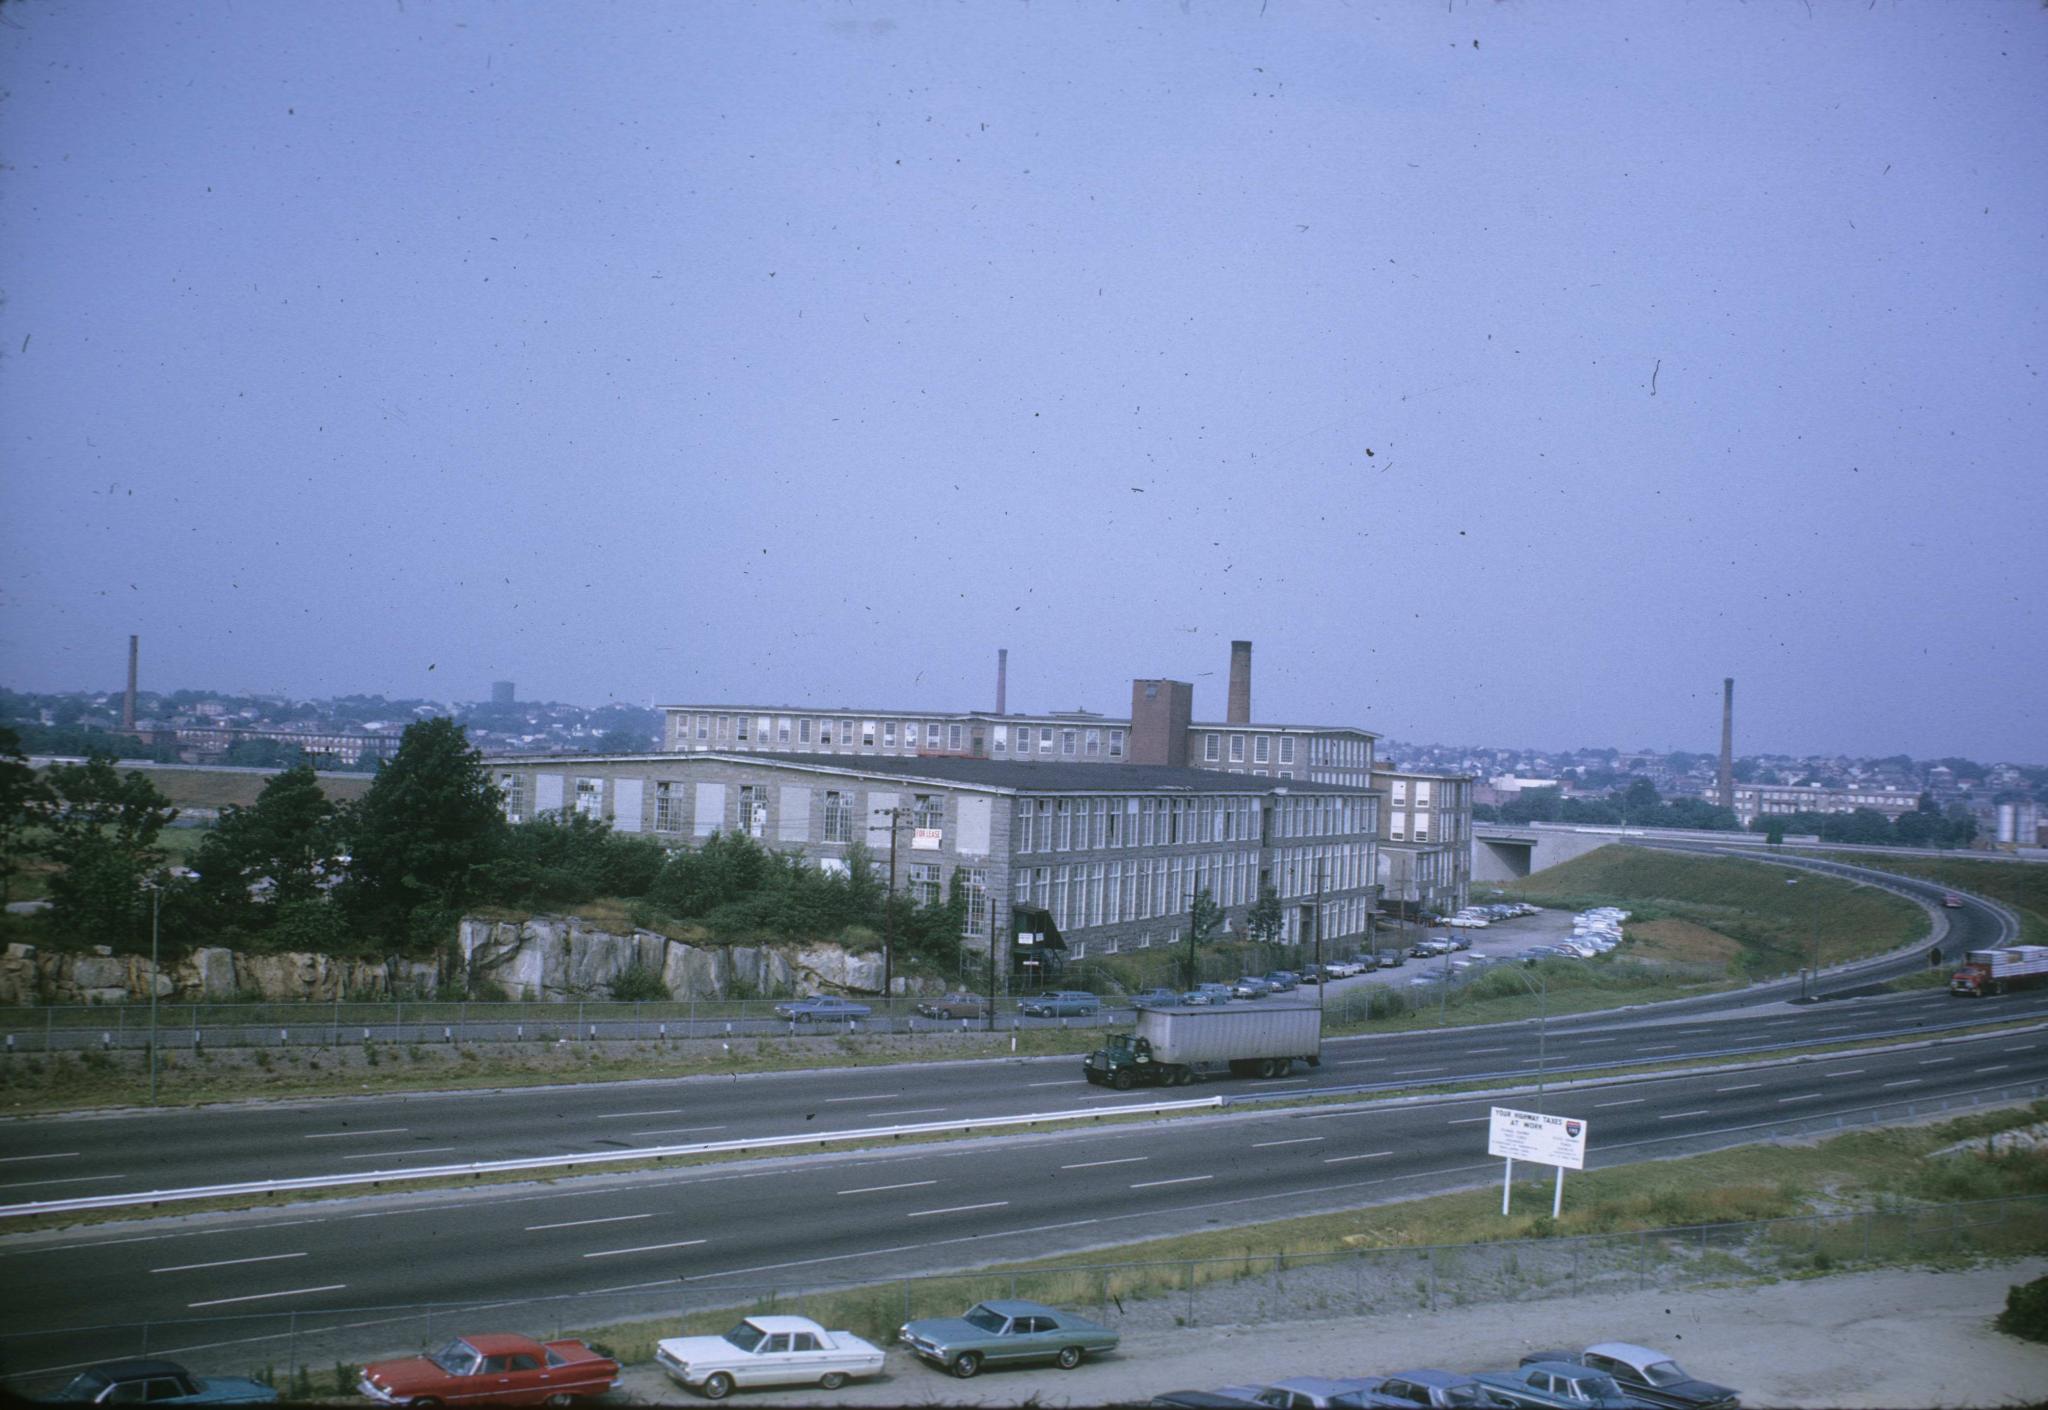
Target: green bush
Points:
(2026, 1311)
(639, 982)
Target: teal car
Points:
(1004, 1334)
(160, 1383)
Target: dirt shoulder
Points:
(1900, 1337)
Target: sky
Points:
(1508, 373)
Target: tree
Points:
(420, 838)
(22, 796)
(1264, 921)
(100, 827)
(288, 840)
(1640, 797)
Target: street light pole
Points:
(889, 911)
(156, 905)
(1322, 980)
(1191, 939)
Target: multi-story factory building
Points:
(1425, 851)
(1111, 858)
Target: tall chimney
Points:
(1240, 711)
(1002, 679)
(1728, 742)
(128, 701)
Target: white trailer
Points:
(1172, 1045)
(1995, 971)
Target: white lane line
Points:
(1294, 1141)
(1836, 1028)
(635, 1287)
(957, 1209)
(2019, 1048)
(1657, 1048)
(1904, 1082)
(1740, 1087)
(1091, 1164)
(629, 1115)
(884, 1097)
(399, 1155)
(1370, 1155)
(582, 1223)
(1067, 1082)
(876, 1189)
(73, 1155)
(1179, 1180)
(1844, 1072)
(228, 1262)
(1997, 1067)
(1485, 1050)
(1929, 1062)
(1414, 1071)
(1802, 1097)
(912, 1111)
(1588, 1042)
(1632, 1101)
(1468, 1120)
(675, 1131)
(70, 1180)
(643, 1248)
(344, 1135)
(801, 1263)
(259, 1297)
(1681, 1115)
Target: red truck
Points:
(1995, 971)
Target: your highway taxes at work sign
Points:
(1540, 1139)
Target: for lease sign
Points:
(1532, 1136)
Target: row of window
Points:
(1081, 894)
(800, 733)
(1326, 867)
(1092, 824)
(1214, 746)
(1324, 815)
(1341, 920)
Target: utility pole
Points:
(1191, 939)
(889, 910)
(1322, 980)
(156, 906)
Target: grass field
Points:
(1734, 912)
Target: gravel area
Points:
(1898, 1337)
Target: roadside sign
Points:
(1530, 1135)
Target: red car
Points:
(494, 1370)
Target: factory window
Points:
(924, 883)
(743, 728)
(953, 736)
(931, 735)
(928, 811)
(889, 734)
(590, 797)
(1212, 748)
(867, 734)
(1067, 738)
(838, 817)
(761, 724)
(517, 796)
(910, 734)
(1110, 825)
(1116, 744)
(1002, 739)
(1400, 790)
(1262, 749)
(803, 731)
(1063, 834)
(1287, 750)
(1237, 749)
(825, 733)
(974, 887)
(782, 729)
(668, 807)
(1092, 745)
(753, 810)
(1045, 739)
(725, 726)
(703, 727)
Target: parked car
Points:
(1433, 1390)
(160, 1383)
(1155, 998)
(768, 1351)
(1005, 1333)
(1201, 1400)
(1250, 987)
(954, 1006)
(1645, 1374)
(1543, 1384)
(823, 1009)
(499, 1369)
(1203, 997)
(1391, 959)
(1061, 1003)
(1314, 973)
(1318, 1392)
(1421, 950)
(1283, 981)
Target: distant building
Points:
(1754, 800)
(1425, 852)
(502, 692)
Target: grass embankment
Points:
(2022, 886)
(1735, 912)
(1887, 1171)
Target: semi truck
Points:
(1995, 971)
(1174, 1046)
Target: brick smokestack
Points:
(1728, 743)
(1240, 711)
(128, 700)
(1002, 680)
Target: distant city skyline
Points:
(1501, 370)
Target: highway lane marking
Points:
(1485, 1050)
(228, 1262)
(259, 1297)
(1844, 1072)
(2022, 1048)
(1997, 1067)
(1291, 1141)
(1658, 1048)
(1740, 1087)
(1091, 1164)
(1067, 1082)
(643, 1248)
(1587, 1042)
(676, 1131)
(1177, 1180)
(1929, 1062)
(801, 1263)
(957, 1209)
(912, 1111)
(1340, 1159)
(1904, 1082)
(1681, 1115)
(1802, 1097)
(1413, 1071)
(341, 1135)
(629, 1115)
(394, 1155)
(1632, 1101)
(1836, 1028)
(72, 1180)
(1468, 1120)
(72, 1155)
(884, 1097)
(580, 1223)
(635, 1287)
(876, 1189)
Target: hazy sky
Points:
(1508, 372)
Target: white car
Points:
(768, 1351)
